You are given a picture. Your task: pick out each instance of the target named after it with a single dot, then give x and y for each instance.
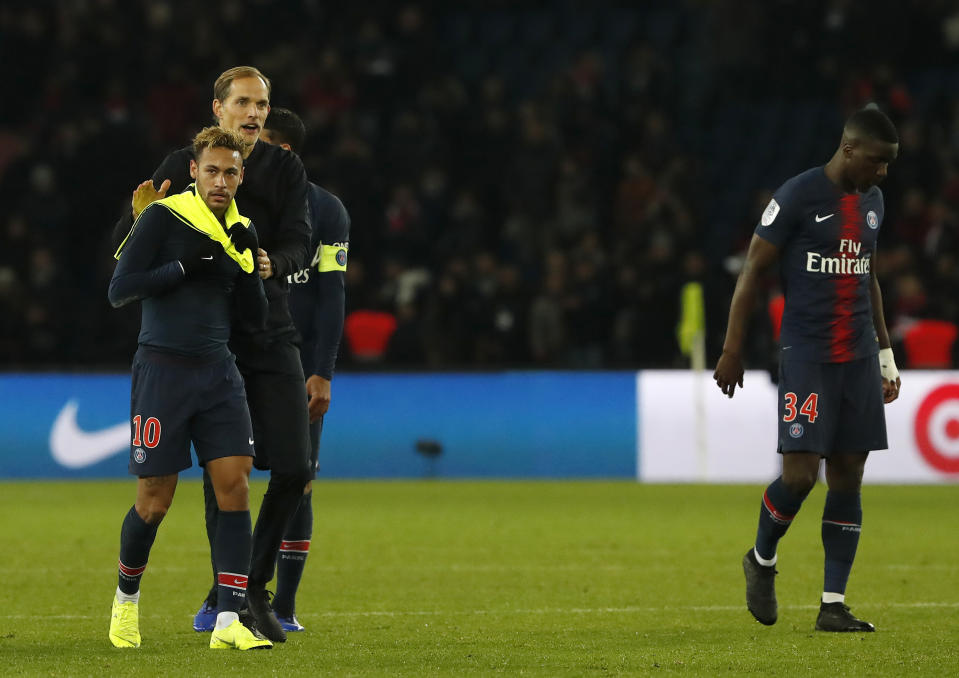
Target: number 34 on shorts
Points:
(809, 408)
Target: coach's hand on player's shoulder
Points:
(263, 264)
(729, 372)
(243, 238)
(145, 193)
(318, 389)
(890, 389)
(202, 260)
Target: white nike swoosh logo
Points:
(73, 447)
(210, 258)
(818, 218)
(251, 441)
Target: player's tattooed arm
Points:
(729, 370)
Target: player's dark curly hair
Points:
(873, 123)
(286, 128)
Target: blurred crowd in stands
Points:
(531, 184)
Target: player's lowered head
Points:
(869, 144)
(217, 167)
(241, 102)
(284, 128)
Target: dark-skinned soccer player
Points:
(836, 368)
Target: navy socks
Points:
(232, 553)
(779, 507)
(292, 557)
(841, 524)
(136, 540)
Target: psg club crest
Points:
(796, 430)
(341, 257)
(872, 220)
(139, 455)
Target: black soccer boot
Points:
(837, 617)
(258, 604)
(760, 589)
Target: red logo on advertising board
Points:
(937, 428)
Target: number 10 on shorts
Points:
(809, 407)
(151, 432)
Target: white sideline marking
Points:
(465, 567)
(601, 610)
(536, 610)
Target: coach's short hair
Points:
(217, 137)
(873, 123)
(221, 88)
(286, 128)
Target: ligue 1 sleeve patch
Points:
(769, 215)
(872, 219)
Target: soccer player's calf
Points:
(296, 546)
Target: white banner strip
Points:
(688, 431)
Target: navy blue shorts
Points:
(831, 408)
(173, 403)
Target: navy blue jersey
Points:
(827, 242)
(317, 293)
(180, 315)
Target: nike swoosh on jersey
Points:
(73, 447)
(818, 218)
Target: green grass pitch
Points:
(487, 578)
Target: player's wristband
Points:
(887, 365)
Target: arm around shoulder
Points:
(289, 244)
(173, 172)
